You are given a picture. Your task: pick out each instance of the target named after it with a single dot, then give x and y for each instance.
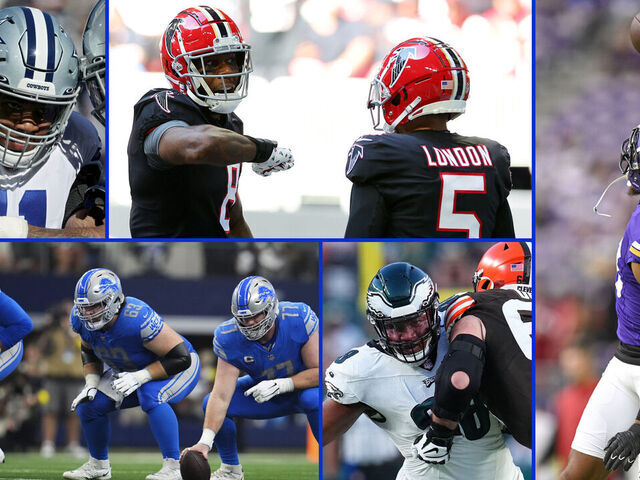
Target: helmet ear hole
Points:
(486, 285)
(395, 101)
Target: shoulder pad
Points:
(223, 337)
(369, 158)
(454, 309)
(80, 143)
(76, 323)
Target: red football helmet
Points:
(191, 39)
(505, 263)
(421, 76)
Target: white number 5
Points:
(448, 218)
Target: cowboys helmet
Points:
(98, 298)
(253, 296)
(93, 63)
(402, 305)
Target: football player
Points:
(149, 365)
(93, 64)
(187, 146)
(15, 324)
(421, 180)
(490, 335)
(276, 344)
(383, 379)
(608, 435)
(43, 144)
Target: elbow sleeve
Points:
(466, 354)
(176, 360)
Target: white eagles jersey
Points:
(42, 197)
(394, 390)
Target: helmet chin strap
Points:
(595, 207)
(403, 115)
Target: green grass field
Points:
(136, 466)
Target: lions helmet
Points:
(505, 263)
(254, 296)
(402, 305)
(93, 63)
(39, 72)
(420, 76)
(98, 298)
(188, 47)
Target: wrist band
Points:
(264, 149)
(207, 437)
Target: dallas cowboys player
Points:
(276, 343)
(149, 365)
(609, 429)
(43, 145)
(15, 324)
(387, 379)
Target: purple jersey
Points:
(627, 287)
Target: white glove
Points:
(267, 389)
(434, 445)
(13, 227)
(129, 382)
(88, 393)
(280, 159)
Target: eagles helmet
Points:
(505, 263)
(191, 40)
(402, 305)
(98, 295)
(93, 63)
(420, 76)
(253, 296)
(39, 72)
(630, 161)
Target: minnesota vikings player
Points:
(49, 155)
(276, 343)
(608, 435)
(387, 380)
(15, 324)
(149, 365)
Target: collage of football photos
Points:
(369, 309)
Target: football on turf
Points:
(193, 466)
(634, 32)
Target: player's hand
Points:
(434, 445)
(623, 449)
(198, 447)
(267, 389)
(280, 159)
(13, 227)
(129, 382)
(87, 394)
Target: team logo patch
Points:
(429, 381)
(162, 99)
(355, 154)
(401, 56)
(333, 392)
(264, 293)
(107, 285)
(248, 359)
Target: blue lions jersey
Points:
(295, 323)
(14, 322)
(122, 346)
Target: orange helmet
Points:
(505, 263)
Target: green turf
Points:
(136, 466)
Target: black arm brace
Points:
(176, 360)
(88, 355)
(466, 354)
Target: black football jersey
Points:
(181, 201)
(428, 184)
(506, 381)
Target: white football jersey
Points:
(42, 198)
(391, 389)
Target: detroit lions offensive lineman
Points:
(609, 428)
(43, 145)
(420, 179)
(490, 335)
(149, 365)
(276, 343)
(388, 379)
(15, 324)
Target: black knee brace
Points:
(466, 354)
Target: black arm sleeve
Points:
(368, 214)
(504, 222)
(88, 355)
(176, 360)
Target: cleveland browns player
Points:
(420, 179)
(187, 147)
(489, 353)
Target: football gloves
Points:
(434, 445)
(623, 449)
(280, 159)
(88, 393)
(13, 227)
(267, 389)
(129, 382)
